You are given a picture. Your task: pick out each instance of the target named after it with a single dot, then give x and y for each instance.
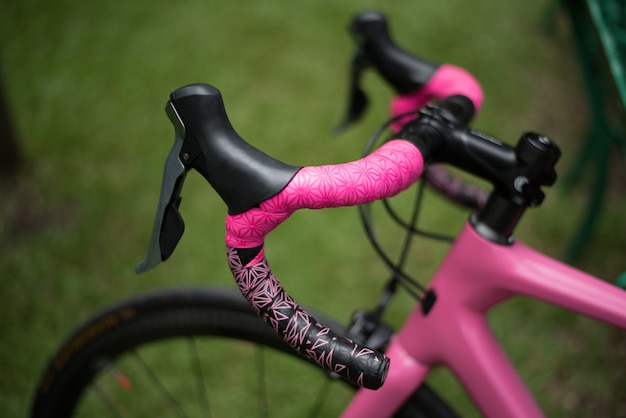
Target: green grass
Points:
(87, 83)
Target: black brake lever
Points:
(403, 71)
(357, 99)
(205, 141)
(168, 224)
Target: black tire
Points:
(94, 364)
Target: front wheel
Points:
(192, 352)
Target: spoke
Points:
(322, 394)
(201, 387)
(107, 400)
(157, 383)
(261, 382)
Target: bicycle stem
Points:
(517, 173)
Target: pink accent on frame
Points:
(387, 171)
(475, 276)
(448, 80)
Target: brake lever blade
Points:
(168, 224)
(357, 100)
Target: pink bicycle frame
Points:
(475, 276)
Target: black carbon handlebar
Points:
(261, 192)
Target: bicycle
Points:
(485, 266)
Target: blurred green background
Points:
(87, 82)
